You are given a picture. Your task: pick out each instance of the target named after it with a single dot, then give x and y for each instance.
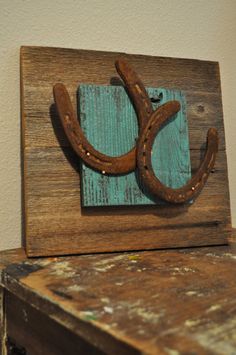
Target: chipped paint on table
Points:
(166, 302)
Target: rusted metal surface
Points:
(136, 91)
(101, 162)
(150, 124)
(144, 162)
(96, 160)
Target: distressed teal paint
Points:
(109, 121)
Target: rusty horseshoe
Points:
(148, 177)
(105, 164)
(150, 122)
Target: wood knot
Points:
(200, 108)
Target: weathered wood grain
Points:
(55, 222)
(54, 179)
(44, 336)
(108, 119)
(155, 302)
(204, 110)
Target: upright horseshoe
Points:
(146, 139)
(105, 164)
(98, 161)
(149, 125)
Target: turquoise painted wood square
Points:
(109, 122)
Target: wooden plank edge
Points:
(81, 245)
(24, 168)
(25, 49)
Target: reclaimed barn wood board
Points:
(104, 302)
(55, 223)
(109, 121)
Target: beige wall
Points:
(177, 28)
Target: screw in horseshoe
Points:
(150, 124)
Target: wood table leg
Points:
(3, 350)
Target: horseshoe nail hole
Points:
(213, 171)
(82, 148)
(157, 99)
(149, 128)
(67, 118)
(144, 154)
(145, 140)
(145, 167)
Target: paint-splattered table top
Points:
(152, 302)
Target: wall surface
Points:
(177, 28)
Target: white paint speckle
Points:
(230, 255)
(75, 288)
(141, 331)
(191, 322)
(191, 293)
(146, 314)
(213, 255)
(213, 308)
(109, 260)
(182, 270)
(44, 262)
(188, 269)
(219, 339)
(104, 268)
(62, 269)
(172, 351)
(108, 309)
(105, 300)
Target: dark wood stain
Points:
(22, 270)
(61, 294)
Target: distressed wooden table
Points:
(153, 302)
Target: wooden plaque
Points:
(55, 223)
